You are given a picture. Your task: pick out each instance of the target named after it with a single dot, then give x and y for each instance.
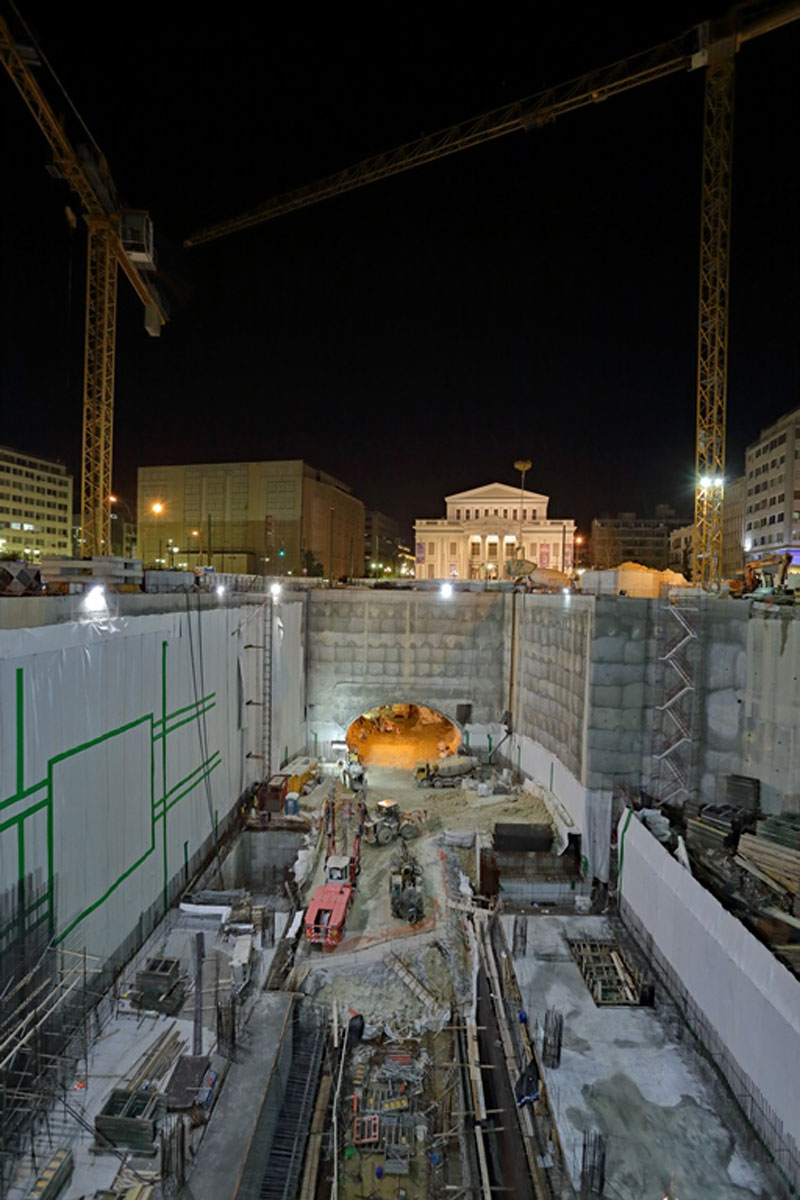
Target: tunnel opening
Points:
(401, 735)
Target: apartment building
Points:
(772, 502)
(35, 505)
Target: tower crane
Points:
(117, 237)
(711, 45)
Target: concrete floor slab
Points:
(223, 1152)
(634, 1075)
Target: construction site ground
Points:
(404, 980)
(635, 1075)
(356, 971)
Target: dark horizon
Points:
(533, 297)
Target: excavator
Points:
(765, 579)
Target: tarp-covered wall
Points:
(122, 744)
(744, 1004)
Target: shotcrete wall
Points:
(582, 689)
(373, 647)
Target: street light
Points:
(157, 508)
(198, 533)
(522, 465)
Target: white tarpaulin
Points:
(747, 996)
(122, 744)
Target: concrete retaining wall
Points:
(368, 648)
(742, 1003)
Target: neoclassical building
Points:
(483, 529)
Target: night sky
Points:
(535, 297)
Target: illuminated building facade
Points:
(276, 518)
(35, 506)
(772, 503)
(484, 528)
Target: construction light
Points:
(275, 590)
(705, 481)
(719, 482)
(157, 507)
(446, 591)
(220, 589)
(95, 600)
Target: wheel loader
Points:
(389, 822)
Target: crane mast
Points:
(711, 46)
(712, 326)
(106, 252)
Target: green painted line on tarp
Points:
(92, 907)
(203, 767)
(104, 737)
(196, 709)
(20, 731)
(192, 786)
(622, 848)
(186, 721)
(187, 707)
(23, 795)
(27, 912)
(23, 816)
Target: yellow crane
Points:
(712, 46)
(116, 237)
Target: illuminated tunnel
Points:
(401, 735)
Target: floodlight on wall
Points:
(275, 590)
(220, 589)
(94, 600)
(446, 591)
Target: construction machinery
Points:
(389, 822)
(445, 772)
(405, 887)
(343, 867)
(117, 238)
(327, 913)
(765, 579)
(711, 46)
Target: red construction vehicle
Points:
(327, 913)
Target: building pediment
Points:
(502, 492)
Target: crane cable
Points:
(35, 43)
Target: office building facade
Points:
(35, 505)
(276, 518)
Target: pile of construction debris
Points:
(752, 865)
